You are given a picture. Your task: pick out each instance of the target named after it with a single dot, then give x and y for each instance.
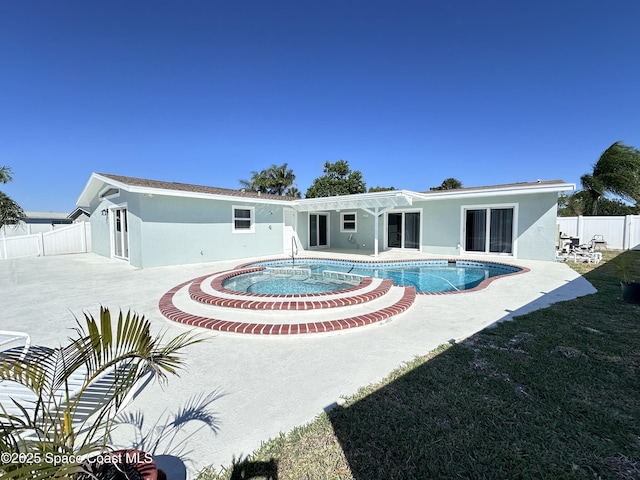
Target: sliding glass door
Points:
(318, 230)
(489, 230)
(403, 230)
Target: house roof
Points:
(98, 181)
(78, 212)
(539, 186)
(385, 199)
(46, 217)
(402, 198)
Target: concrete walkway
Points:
(256, 386)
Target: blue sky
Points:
(408, 92)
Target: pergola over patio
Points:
(375, 203)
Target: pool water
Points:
(432, 276)
(281, 284)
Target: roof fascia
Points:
(498, 191)
(96, 182)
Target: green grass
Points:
(553, 394)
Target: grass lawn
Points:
(553, 394)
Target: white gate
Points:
(75, 238)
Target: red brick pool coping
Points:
(266, 302)
(261, 301)
(170, 311)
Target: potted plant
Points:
(629, 268)
(46, 431)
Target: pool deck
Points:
(261, 385)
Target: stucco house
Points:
(151, 223)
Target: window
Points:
(243, 219)
(489, 229)
(348, 222)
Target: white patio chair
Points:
(585, 254)
(10, 339)
(14, 396)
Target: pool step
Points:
(203, 302)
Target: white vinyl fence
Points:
(75, 238)
(620, 233)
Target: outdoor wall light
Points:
(104, 212)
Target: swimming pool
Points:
(295, 281)
(427, 276)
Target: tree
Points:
(448, 184)
(293, 192)
(338, 179)
(10, 212)
(580, 203)
(276, 180)
(617, 173)
(381, 189)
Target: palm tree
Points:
(10, 212)
(258, 182)
(617, 172)
(281, 178)
(275, 180)
(117, 354)
(293, 192)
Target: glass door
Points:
(489, 230)
(318, 230)
(120, 233)
(403, 230)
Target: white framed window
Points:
(348, 222)
(243, 219)
(489, 229)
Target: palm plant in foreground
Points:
(60, 424)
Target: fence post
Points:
(40, 244)
(84, 236)
(580, 228)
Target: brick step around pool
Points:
(210, 290)
(177, 305)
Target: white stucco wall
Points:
(536, 224)
(173, 230)
(178, 230)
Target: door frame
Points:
(124, 234)
(402, 239)
(327, 215)
(488, 207)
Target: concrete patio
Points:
(258, 386)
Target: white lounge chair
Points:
(10, 338)
(585, 254)
(17, 400)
